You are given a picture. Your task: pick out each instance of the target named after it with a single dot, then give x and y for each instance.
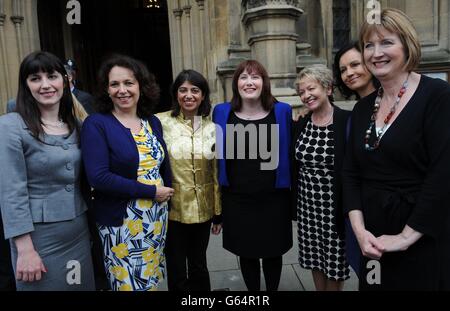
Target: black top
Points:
(244, 167)
(413, 156)
(256, 215)
(405, 180)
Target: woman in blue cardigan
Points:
(126, 164)
(254, 172)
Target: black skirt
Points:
(257, 225)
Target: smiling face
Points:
(353, 72)
(123, 88)
(46, 88)
(189, 98)
(384, 54)
(250, 86)
(313, 94)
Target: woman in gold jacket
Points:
(190, 137)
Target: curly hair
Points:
(27, 106)
(195, 78)
(148, 88)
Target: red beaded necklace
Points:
(373, 119)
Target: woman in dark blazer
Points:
(318, 148)
(127, 165)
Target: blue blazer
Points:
(111, 161)
(283, 116)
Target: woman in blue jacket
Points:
(126, 163)
(254, 172)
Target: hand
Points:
(401, 241)
(29, 266)
(393, 243)
(216, 229)
(163, 194)
(370, 246)
(300, 114)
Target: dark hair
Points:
(149, 90)
(69, 70)
(252, 66)
(344, 89)
(27, 106)
(194, 78)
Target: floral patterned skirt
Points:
(134, 253)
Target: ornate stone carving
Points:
(177, 13)
(187, 10)
(17, 19)
(251, 4)
(201, 4)
(2, 19)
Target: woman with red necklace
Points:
(396, 170)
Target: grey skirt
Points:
(65, 249)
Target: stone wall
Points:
(19, 36)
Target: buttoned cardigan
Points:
(111, 160)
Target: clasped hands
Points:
(374, 247)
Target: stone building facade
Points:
(214, 36)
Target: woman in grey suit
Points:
(44, 214)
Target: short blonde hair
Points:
(320, 73)
(397, 22)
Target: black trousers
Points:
(251, 271)
(7, 279)
(187, 244)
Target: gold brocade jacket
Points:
(194, 169)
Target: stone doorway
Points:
(133, 27)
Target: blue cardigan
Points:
(283, 116)
(111, 161)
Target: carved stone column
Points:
(189, 52)
(5, 85)
(18, 19)
(273, 38)
(179, 41)
(201, 8)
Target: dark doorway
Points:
(118, 26)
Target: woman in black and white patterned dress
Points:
(318, 150)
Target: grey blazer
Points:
(39, 182)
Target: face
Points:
(123, 88)
(189, 98)
(313, 94)
(46, 88)
(384, 54)
(250, 85)
(353, 72)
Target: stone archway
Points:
(111, 26)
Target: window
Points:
(341, 24)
